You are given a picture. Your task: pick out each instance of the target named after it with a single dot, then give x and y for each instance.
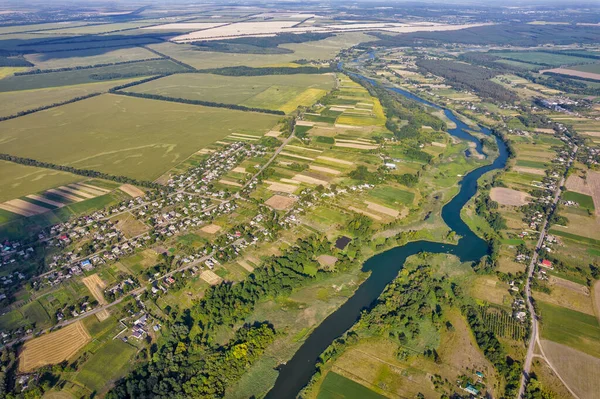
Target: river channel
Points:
(385, 266)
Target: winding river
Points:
(385, 266)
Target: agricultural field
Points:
(336, 386)
(278, 92)
(577, 330)
(159, 135)
(54, 347)
(72, 59)
(541, 58)
(88, 75)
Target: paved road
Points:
(534, 320)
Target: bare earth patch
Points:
(580, 371)
(210, 277)
(340, 161)
(593, 134)
(382, 209)
(95, 285)
(23, 208)
(230, 183)
(280, 203)
(211, 229)
(572, 72)
(593, 179)
(508, 196)
(273, 133)
(239, 170)
(78, 192)
(577, 184)
(369, 214)
(310, 180)
(533, 171)
(46, 200)
(53, 348)
(325, 170)
(327, 260)
(66, 195)
(356, 146)
(284, 188)
(132, 190)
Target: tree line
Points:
(44, 107)
(80, 172)
(197, 102)
(162, 55)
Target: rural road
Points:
(534, 319)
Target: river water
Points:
(385, 266)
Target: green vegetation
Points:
(336, 386)
(584, 201)
(140, 138)
(540, 58)
(260, 45)
(577, 330)
(106, 364)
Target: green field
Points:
(575, 329)
(538, 57)
(12, 102)
(70, 59)
(592, 68)
(522, 65)
(531, 164)
(269, 92)
(336, 386)
(107, 364)
(584, 201)
(574, 237)
(19, 180)
(125, 136)
(91, 75)
(392, 196)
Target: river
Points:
(385, 266)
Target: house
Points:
(546, 263)
(472, 390)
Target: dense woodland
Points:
(259, 45)
(468, 77)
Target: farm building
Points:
(546, 264)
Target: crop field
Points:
(54, 347)
(393, 196)
(92, 75)
(540, 58)
(125, 136)
(580, 370)
(109, 362)
(317, 50)
(20, 180)
(269, 92)
(577, 330)
(503, 324)
(584, 201)
(336, 386)
(75, 58)
(12, 102)
(507, 196)
(591, 68)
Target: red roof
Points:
(546, 263)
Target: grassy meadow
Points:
(71, 59)
(125, 136)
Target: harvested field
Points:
(327, 260)
(309, 180)
(54, 347)
(239, 169)
(46, 200)
(304, 123)
(284, 188)
(88, 189)
(183, 26)
(580, 371)
(593, 179)
(288, 154)
(80, 193)
(23, 207)
(280, 203)
(66, 195)
(382, 209)
(210, 277)
(211, 228)
(369, 214)
(132, 190)
(324, 169)
(105, 191)
(567, 294)
(230, 183)
(436, 144)
(302, 148)
(572, 72)
(542, 130)
(103, 314)
(593, 134)
(245, 265)
(289, 180)
(508, 196)
(335, 160)
(95, 285)
(578, 185)
(533, 171)
(356, 146)
(273, 133)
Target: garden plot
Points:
(210, 277)
(507, 196)
(211, 229)
(280, 202)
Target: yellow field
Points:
(54, 347)
(9, 71)
(307, 97)
(95, 285)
